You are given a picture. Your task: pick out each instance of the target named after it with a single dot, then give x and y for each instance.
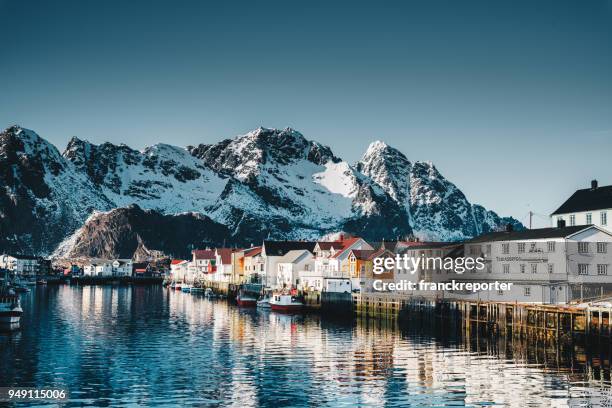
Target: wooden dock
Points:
(516, 319)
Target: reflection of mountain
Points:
(266, 184)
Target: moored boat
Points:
(186, 288)
(10, 308)
(246, 299)
(264, 302)
(285, 303)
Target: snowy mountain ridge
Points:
(268, 183)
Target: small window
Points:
(534, 268)
(589, 218)
(602, 247)
(603, 218)
(527, 291)
(521, 247)
(583, 269)
(488, 248)
(533, 247)
(583, 247)
(572, 220)
(522, 268)
(602, 269)
(551, 268)
(551, 246)
(500, 292)
(505, 249)
(506, 268)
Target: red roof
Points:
(225, 254)
(252, 251)
(140, 270)
(345, 245)
(203, 254)
(176, 261)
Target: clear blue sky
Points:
(511, 100)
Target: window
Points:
(500, 292)
(522, 268)
(521, 247)
(506, 268)
(527, 291)
(533, 247)
(572, 220)
(488, 248)
(602, 269)
(583, 269)
(551, 246)
(534, 268)
(589, 218)
(603, 218)
(602, 247)
(551, 268)
(505, 248)
(583, 247)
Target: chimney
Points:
(509, 227)
(560, 223)
(593, 184)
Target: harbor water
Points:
(146, 345)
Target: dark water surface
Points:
(145, 345)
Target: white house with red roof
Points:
(330, 256)
(179, 269)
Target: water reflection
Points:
(146, 345)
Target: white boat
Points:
(209, 293)
(285, 303)
(264, 302)
(10, 308)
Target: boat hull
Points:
(286, 308)
(246, 302)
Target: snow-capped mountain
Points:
(435, 207)
(266, 184)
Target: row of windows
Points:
(603, 218)
(583, 247)
(602, 269)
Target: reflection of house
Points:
(21, 265)
(291, 265)
(585, 207)
(107, 268)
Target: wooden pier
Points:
(516, 319)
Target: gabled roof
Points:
(346, 244)
(177, 261)
(252, 251)
(203, 253)
(327, 245)
(363, 254)
(280, 248)
(294, 256)
(587, 199)
(539, 233)
(225, 254)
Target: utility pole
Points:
(530, 218)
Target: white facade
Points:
(541, 270)
(599, 218)
(290, 267)
(108, 268)
(329, 258)
(21, 266)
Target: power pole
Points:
(530, 218)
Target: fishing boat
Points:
(246, 299)
(264, 302)
(186, 288)
(209, 293)
(41, 282)
(281, 302)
